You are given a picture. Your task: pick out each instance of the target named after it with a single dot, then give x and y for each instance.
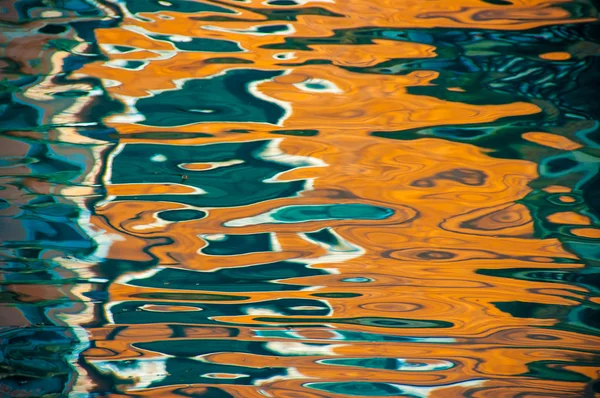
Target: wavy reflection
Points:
(299, 198)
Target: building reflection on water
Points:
(299, 198)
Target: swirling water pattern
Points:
(299, 198)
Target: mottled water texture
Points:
(299, 198)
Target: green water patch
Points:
(499, 2)
(279, 14)
(196, 347)
(349, 211)
(358, 389)
(239, 180)
(227, 60)
(165, 135)
(325, 236)
(48, 163)
(195, 102)
(390, 364)
(337, 295)
(582, 318)
(143, 312)
(231, 245)
(351, 335)
(298, 133)
(378, 322)
(254, 278)
(381, 389)
(35, 234)
(588, 278)
(300, 214)
(184, 6)
(182, 297)
(181, 215)
(198, 44)
(556, 371)
(33, 359)
(53, 29)
(187, 371)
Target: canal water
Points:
(299, 198)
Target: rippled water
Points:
(299, 198)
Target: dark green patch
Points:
(235, 185)
(181, 215)
(283, 3)
(498, 2)
(336, 295)
(556, 371)
(188, 371)
(200, 44)
(231, 245)
(350, 211)
(124, 49)
(359, 389)
(285, 14)
(255, 278)
(378, 322)
(53, 29)
(227, 60)
(135, 6)
(300, 133)
(164, 135)
(192, 348)
(63, 44)
(239, 131)
(195, 102)
(189, 297)
(137, 312)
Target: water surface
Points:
(299, 198)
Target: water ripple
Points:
(299, 198)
